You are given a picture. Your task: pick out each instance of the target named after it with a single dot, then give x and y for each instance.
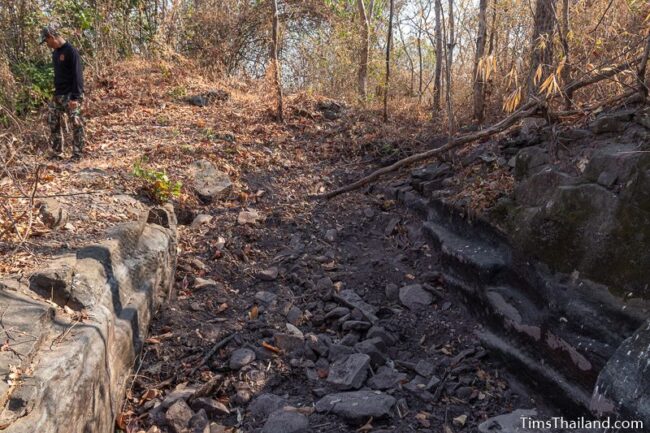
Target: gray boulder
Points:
(200, 220)
(621, 391)
(240, 358)
(120, 282)
(53, 214)
(210, 184)
(178, 416)
(199, 423)
(529, 160)
(266, 298)
(612, 122)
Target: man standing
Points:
(68, 91)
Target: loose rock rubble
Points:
(333, 331)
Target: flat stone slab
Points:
(386, 378)
(213, 408)
(352, 300)
(286, 422)
(349, 372)
(357, 406)
(73, 372)
(514, 422)
(414, 297)
(266, 404)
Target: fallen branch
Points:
(525, 111)
(603, 75)
(71, 194)
(588, 110)
(29, 212)
(212, 351)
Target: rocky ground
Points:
(291, 314)
(337, 314)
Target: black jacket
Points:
(68, 72)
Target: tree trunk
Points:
(408, 57)
(566, 72)
(487, 89)
(437, 81)
(274, 60)
(479, 83)
(388, 45)
(641, 72)
(542, 43)
(450, 59)
(420, 67)
(364, 53)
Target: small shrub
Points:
(163, 120)
(157, 185)
(38, 85)
(178, 92)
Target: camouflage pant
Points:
(58, 107)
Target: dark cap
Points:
(50, 30)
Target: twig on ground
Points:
(23, 237)
(212, 351)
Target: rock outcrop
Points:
(558, 271)
(597, 222)
(73, 330)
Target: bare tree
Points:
(479, 84)
(419, 41)
(274, 59)
(389, 41)
(408, 56)
(450, 58)
(437, 80)
(364, 54)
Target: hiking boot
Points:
(75, 157)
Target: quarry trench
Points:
(373, 300)
(387, 309)
(345, 303)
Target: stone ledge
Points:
(58, 373)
